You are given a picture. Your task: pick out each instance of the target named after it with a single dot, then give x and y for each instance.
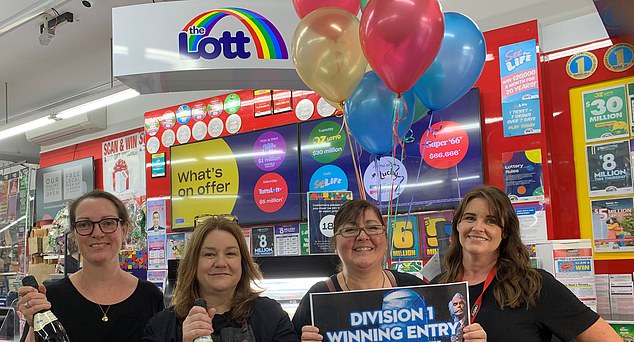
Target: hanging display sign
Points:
(416, 313)
(605, 113)
(523, 179)
(121, 157)
(520, 89)
(214, 46)
(609, 169)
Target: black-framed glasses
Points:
(201, 218)
(107, 225)
(349, 232)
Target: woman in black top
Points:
(512, 301)
(361, 243)
(100, 302)
(218, 267)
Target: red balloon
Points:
(400, 39)
(303, 7)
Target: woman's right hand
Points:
(311, 333)
(32, 301)
(198, 323)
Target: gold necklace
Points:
(348, 287)
(105, 313)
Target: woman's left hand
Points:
(474, 333)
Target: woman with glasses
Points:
(218, 268)
(361, 243)
(100, 302)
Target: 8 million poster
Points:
(609, 169)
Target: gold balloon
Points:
(337, 105)
(327, 53)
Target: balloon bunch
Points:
(412, 48)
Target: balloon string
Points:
(396, 142)
(422, 155)
(397, 119)
(393, 207)
(357, 171)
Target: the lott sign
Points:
(195, 41)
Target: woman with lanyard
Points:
(512, 301)
(218, 268)
(361, 243)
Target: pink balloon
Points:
(303, 7)
(400, 39)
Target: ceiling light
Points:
(98, 103)
(29, 13)
(27, 126)
(571, 51)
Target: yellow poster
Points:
(204, 180)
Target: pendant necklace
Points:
(105, 313)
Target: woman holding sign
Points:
(361, 243)
(511, 300)
(213, 294)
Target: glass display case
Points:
(16, 207)
(288, 291)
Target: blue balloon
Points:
(370, 114)
(457, 65)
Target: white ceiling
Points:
(78, 58)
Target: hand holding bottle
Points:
(45, 325)
(197, 325)
(32, 301)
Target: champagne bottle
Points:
(46, 327)
(202, 303)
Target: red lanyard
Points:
(475, 309)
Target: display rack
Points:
(16, 215)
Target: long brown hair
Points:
(187, 288)
(517, 283)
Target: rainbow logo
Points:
(194, 39)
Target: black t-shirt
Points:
(302, 315)
(81, 318)
(557, 312)
(268, 322)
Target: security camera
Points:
(86, 3)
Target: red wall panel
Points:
(86, 149)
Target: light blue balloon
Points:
(457, 65)
(370, 114)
